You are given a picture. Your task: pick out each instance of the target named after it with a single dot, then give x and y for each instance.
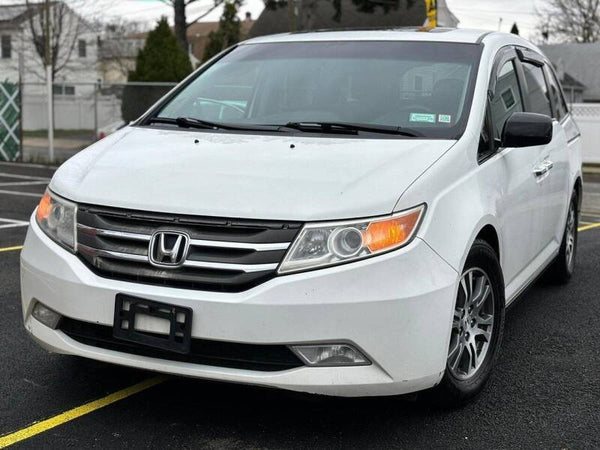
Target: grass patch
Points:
(75, 134)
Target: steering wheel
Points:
(221, 103)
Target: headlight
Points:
(57, 218)
(327, 244)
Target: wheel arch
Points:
(579, 190)
(489, 234)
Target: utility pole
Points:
(48, 58)
(292, 19)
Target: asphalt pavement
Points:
(545, 391)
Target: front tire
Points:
(477, 328)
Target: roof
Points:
(581, 61)
(275, 20)
(199, 29)
(568, 80)
(10, 13)
(204, 28)
(445, 17)
(391, 34)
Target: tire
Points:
(473, 329)
(562, 268)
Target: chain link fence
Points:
(10, 123)
(83, 113)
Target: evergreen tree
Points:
(228, 32)
(161, 60)
(515, 29)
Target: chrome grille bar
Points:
(248, 268)
(259, 247)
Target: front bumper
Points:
(396, 308)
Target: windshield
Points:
(422, 87)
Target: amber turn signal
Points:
(391, 232)
(44, 208)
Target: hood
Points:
(280, 177)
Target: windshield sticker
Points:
(420, 117)
(444, 118)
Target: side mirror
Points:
(523, 129)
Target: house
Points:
(321, 14)
(198, 35)
(117, 56)
(77, 56)
(577, 66)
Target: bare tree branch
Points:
(570, 21)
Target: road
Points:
(545, 392)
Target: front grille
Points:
(229, 255)
(265, 358)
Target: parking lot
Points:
(545, 392)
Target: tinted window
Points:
(558, 101)
(423, 86)
(82, 46)
(507, 97)
(6, 46)
(537, 91)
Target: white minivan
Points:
(344, 213)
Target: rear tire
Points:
(477, 328)
(562, 268)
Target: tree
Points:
(180, 16)
(515, 29)
(228, 32)
(57, 26)
(161, 60)
(570, 21)
(301, 13)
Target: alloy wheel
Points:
(472, 324)
(570, 237)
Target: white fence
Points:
(587, 116)
(81, 106)
(77, 113)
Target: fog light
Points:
(46, 315)
(330, 355)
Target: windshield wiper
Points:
(190, 122)
(350, 128)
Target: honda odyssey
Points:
(345, 213)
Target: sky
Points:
(484, 14)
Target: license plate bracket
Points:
(179, 317)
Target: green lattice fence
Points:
(10, 146)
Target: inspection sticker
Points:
(420, 117)
(444, 118)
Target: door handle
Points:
(543, 168)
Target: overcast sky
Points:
(472, 13)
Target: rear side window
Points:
(558, 101)
(507, 97)
(537, 91)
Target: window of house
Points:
(63, 89)
(558, 101)
(6, 46)
(507, 98)
(82, 46)
(537, 91)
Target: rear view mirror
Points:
(523, 129)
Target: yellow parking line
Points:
(11, 249)
(79, 411)
(589, 227)
(45, 425)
